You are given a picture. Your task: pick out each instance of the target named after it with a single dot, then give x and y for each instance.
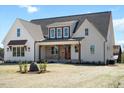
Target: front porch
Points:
(60, 50)
(56, 53)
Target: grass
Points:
(64, 75)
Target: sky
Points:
(9, 14)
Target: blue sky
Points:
(10, 13)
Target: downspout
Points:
(34, 50)
(105, 52)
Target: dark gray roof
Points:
(100, 20)
(17, 42)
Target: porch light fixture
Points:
(28, 49)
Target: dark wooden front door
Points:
(67, 52)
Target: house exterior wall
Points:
(74, 55)
(93, 38)
(29, 56)
(110, 41)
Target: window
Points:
(54, 50)
(18, 32)
(52, 32)
(76, 48)
(92, 49)
(14, 51)
(22, 52)
(66, 32)
(59, 32)
(86, 31)
(18, 51)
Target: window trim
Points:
(50, 32)
(86, 31)
(92, 49)
(68, 32)
(14, 53)
(18, 31)
(57, 32)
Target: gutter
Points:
(34, 48)
(104, 52)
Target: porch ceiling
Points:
(61, 41)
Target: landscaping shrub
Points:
(43, 66)
(25, 68)
(111, 62)
(20, 66)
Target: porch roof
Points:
(61, 41)
(17, 42)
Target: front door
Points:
(67, 52)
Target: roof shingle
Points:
(100, 20)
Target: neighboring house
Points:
(117, 53)
(75, 38)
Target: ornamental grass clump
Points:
(23, 67)
(42, 66)
(20, 66)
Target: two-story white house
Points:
(75, 38)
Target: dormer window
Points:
(52, 32)
(59, 32)
(18, 32)
(66, 32)
(86, 32)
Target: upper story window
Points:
(18, 32)
(66, 32)
(52, 32)
(59, 32)
(86, 32)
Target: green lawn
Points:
(64, 75)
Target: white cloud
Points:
(30, 9)
(118, 22)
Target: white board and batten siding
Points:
(24, 35)
(93, 38)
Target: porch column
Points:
(39, 52)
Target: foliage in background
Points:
(122, 57)
(1, 52)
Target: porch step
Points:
(58, 61)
